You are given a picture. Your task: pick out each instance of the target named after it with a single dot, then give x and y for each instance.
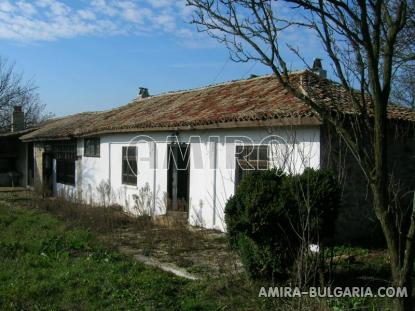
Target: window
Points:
(92, 147)
(129, 166)
(248, 159)
(65, 171)
(63, 149)
(65, 154)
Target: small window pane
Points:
(130, 151)
(92, 147)
(64, 150)
(65, 171)
(129, 165)
(263, 153)
(248, 159)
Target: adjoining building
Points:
(16, 157)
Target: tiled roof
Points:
(61, 128)
(222, 105)
(17, 133)
(337, 98)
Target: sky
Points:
(94, 55)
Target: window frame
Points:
(66, 177)
(95, 143)
(127, 172)
(253, 163)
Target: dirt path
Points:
(183, 250)
(150, 261)
(188, 253)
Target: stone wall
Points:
(357, 223)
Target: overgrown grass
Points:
(49, 263)
(44, 265)
(202, 252)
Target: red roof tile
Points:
(261, 98)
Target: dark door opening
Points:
(47, 174)
(30, 164)
(178, 178)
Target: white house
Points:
(182, 152)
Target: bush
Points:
(253, 205)
(257, 222)
(269, 210)
(315, 196)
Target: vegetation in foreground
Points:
(50, 264)
(46, 266)
(273, 218)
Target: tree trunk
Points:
(379, 185)
(400, 278)
(403, 304)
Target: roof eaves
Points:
(287, 121)
(18, 133)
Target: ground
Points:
(61, 255)
(200, 252)
(46, 266)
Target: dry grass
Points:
(168, 239)
(204, 253)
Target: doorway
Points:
(30, 165)
(47, 174)
(178, 178)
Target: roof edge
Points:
(278, 122)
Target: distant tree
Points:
(16, 91)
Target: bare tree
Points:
(403, 90)
(15, 91)
(403, 85)
(364, 39)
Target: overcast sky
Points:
(93, 55)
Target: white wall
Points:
(212, 168)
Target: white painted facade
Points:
(212, 168)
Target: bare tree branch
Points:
(15, 91)
(367, 43)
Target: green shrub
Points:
(268, 212)
(249, 211)
(257, 222)
(315, 196)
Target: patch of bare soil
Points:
(164, 242)
(203, 253)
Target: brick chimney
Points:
(318, 68)
(17, 119)
(143, 93)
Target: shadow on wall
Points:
(197, 215)
(147, 203)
